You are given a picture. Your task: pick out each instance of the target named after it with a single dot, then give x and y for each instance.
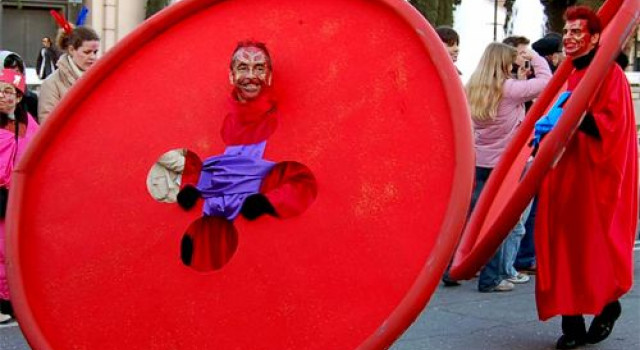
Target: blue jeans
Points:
(492, 273)
(500, 266)
(512, 243)
(527, 253)
(482, 174)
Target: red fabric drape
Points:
(250, 122)
(215, 240)
(290, 188)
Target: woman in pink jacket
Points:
(496, 100)
(17, 128)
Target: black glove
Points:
(186, 249)
(4, 198)
(256, 205)
(589, 126)
(536, 147)
(188, 196)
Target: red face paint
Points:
(576, 38)
(250, 73)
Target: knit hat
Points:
(550, 44)
(14, 78)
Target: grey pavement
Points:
(460, 318)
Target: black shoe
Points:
(6, 308)
(569, 342)
(574, 332)
(450, 283)
(602, 325)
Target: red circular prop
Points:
(368, 101)
(506, 195)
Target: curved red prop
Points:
(506, 195)
(62, 22)
(369, 102)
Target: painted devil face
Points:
(250, 73)
(576, 39)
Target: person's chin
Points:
(250, 95)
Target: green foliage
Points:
(437, 12)
(154, 6)
(594, 4)
(554, 9)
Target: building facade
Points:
(23, 23)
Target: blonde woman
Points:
(496, 100)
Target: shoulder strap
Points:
(15, 150)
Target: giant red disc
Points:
(505, 196)
(368, 100)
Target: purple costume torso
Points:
(227, 179)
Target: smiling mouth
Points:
(251, 87)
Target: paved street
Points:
(460, 318)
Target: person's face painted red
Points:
(250, 73)
(576, 39)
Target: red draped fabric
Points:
(250, 122)
(290, 188)
(214, 242)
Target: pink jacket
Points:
(8, 147)
(492, 136)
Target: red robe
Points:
(588, 209)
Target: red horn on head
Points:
(62, 22)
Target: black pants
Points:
(6, 308)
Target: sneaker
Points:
(520, 278)
(503, 286)
(4, 318)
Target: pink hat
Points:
(14, 78)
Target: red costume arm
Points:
(191, 172)
(290, 188)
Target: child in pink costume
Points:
(17, 128)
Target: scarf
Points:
(584, 61)
(76, 70)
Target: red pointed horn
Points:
(62, 22)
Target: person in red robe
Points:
(588, 203)
(240, 181)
